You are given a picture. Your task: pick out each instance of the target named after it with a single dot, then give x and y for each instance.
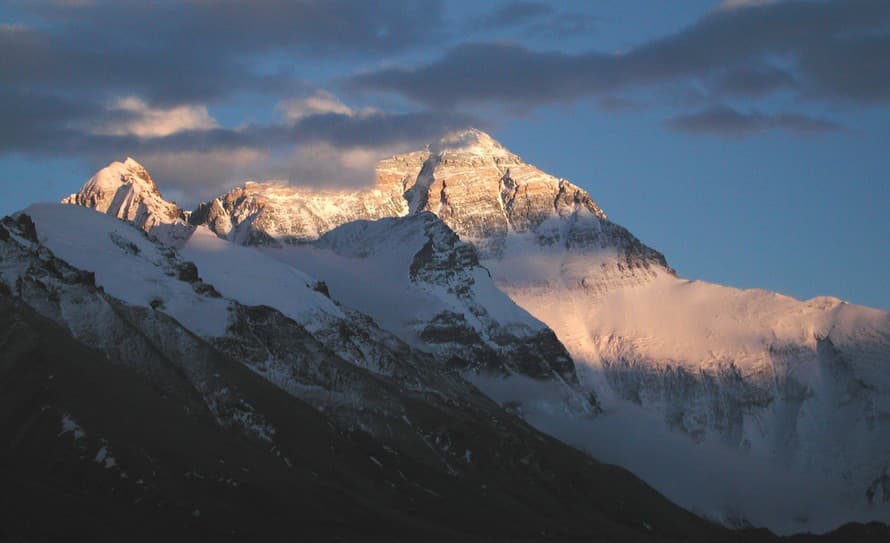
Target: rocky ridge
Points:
(271, 213)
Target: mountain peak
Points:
(127, 191)
(131, 163)
(470, 140)
(481, 190)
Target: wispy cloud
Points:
(726, 121)
(535, 18)
(131, 116)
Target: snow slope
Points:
(128, 264)
(419, 282)
(372, 261)
(795, 395)
(246, 275)
(121, 401)
(332, 357)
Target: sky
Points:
(747, 140)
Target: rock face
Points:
(483, 192)
(270, 213)
(487, 194)
(126, 191)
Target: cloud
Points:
(514, 13)
(194, 51)
(326, 165)
(99, 79)
(726, 121)
(110, 78)
(834, 50)
(321, 102)
(494, 73)
(324, 143)
(192, 176)
(39, 121)
(132, 116)
(737, 4)
(322, 149)
(707, 477)
(534, 19)
(618, 104)
(753, 80)
(565, 25)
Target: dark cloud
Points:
(330, 27)
(564, 25)
(35, 126)
(176, 52)
(67, 68)
(726, 121)
(618, 104)
(536, 19)
(754, 80)
(496, 72)
(515, 13)
(326, 148)
(834, 50)
(113, 78)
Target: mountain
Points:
(126, 191)
(284, 328)
(763, 410)
(459, 316)
(794, 388)
(144, 403)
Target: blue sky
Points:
(747, 141)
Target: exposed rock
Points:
(266, 213)
(126, 191)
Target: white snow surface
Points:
(366, 265)
(251, 277)
(750, 397)
(102, 244)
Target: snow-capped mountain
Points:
(751, 371)
(143, 401)
(284, 328)
(747, 396)
(450, 307)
